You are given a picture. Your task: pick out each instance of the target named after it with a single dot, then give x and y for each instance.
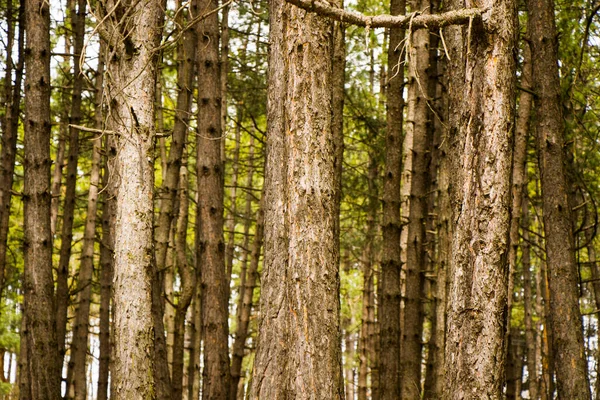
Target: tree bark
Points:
(10, 129)
(43, 368)
(477, 311)
(389, 300)
(134, 33)
(300, 282)
(216, 376)
(564, 318)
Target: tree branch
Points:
(415, 20)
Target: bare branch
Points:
(457, 17)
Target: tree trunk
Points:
(131, 91)
(242, 320)
(564, 318)
(106, 270)
(195, 340)
(188, 285)
(62, 285)
(300, 282)
(10, 132)
(478, 291)
(43, 368)
(419, 130)
(246, 304)
(389, 299)
(216, 377)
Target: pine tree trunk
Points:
(62, 285)
(245, 305)
(195, 340)
(564, 318)
(216, 377)
(106, 270)
(389, 299)
(43, 368)
(10, 126)
(188, 285)
(242, 320)
(300, 283)
(418, 130)
(131, 92)
(478, 290)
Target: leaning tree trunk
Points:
(299, 352)
(134, 33)
(43, 368)
(216, 376)
(478, 290)
(565, 318)
(389, 306)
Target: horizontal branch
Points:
(415, 20)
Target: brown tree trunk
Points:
(43, 368)
(195, 340)
(246, 304)
(243, 317)
(564, 318)
(478, 289)
(530, 331)
(188, 285)
(419, 132)
(389, 299)
(131, 91)
(216, 376)
(10, 128)
(106, 270)
(62, 284)
(300, 283)
(363, 340)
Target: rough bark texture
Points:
(10, 126)
(299, 352)
(565, 318)
(389, 306)
(134, 32)
(211, 245)
(43, 369)
(477, 314)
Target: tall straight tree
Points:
(298, 352)
(216, 375)
(133, 32)
(39, 336)
(10, 126)
(62, 287)
(564, 317)
(389, 306)
(420, 133)
(477, 299)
